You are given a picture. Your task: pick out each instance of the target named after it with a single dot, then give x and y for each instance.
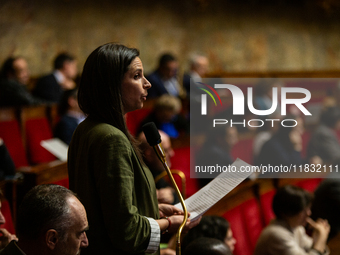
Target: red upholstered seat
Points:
(236, 220)
(6, 211)
(266, 201)
(10, 133)
(36, 131)
(309, 184)
(181, 161)
(253, 220)
(243, 150)
(246, 224)
(134, 119)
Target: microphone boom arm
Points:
(160, 154)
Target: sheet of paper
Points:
(57, 147)
(215, 190)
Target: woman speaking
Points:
(105, 167)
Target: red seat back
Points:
(309, 184)
(181, 161)
(36, 131)
(246, 224)
(253, 220)
(243, 150)
(134, 119)
(266, 201)
(10, 133)
(235, 218)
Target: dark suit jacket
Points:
(65, 128)
(13, 93)
(115, 188)
(48, 88)
(12, 249)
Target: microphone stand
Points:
(160, 153)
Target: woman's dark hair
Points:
(63, 104)
(290, 200)
(99, 92)
(207, 246)
(210, 226)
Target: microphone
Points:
(154, 139)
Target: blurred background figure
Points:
(165, 193)
(199, 66)
(264, 133)
(324, 141)
(51, 86)
(164, 79)
(216, 150)
(211, 227)
(5, 236)
(263, 94)
(286, 234)
(207, 246)
(326, 204)
(284, 147)
(167, 117)
(13, 83)
(71, 116)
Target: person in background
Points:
(164, 79)
(51, 86)
(207, 246)
(213, 227)
(199, 66)
(166, 116)
(286, 234)
(216, 150)
(5, 237)
(50, 220)
(14, 77)
(105, 166)
(71, 116)
(326, 203)
(324, 142)
(284, 147)
(165, 193)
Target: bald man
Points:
(51, 220)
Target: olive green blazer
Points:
(115, 188)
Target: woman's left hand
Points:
(166, 210)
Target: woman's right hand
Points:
(320, 234)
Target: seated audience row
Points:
(15, 77)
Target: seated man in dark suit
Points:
(51, 220)
(51, 87)
(164, 80)
(13, 81)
